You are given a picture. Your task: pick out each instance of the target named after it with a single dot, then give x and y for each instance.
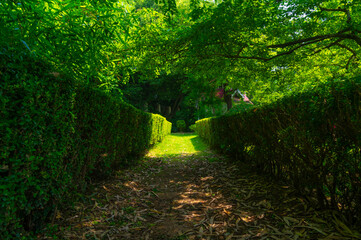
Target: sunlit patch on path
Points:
(179, 144)
(195, 195)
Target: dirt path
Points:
(195, 197)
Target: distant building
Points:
(244, 96)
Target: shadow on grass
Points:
(198, 144)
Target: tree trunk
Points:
(228, 99)
(176, 106)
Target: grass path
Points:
(181, 190)
(180, 143)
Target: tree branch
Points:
(349, 61)
(326, 47)
(311, 40)
(356, 38)
(346, 11)
(347, 48)
(319, 37)
(235, 56)
(262, 58)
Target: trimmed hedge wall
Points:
(310, 139)
(36, 126)
(54, 136)
(110, 133)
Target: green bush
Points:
(36, 127)
(240, 107)
(181, 125)
(54, 132)
(55, 135)
(310, 139)
(111, 133)
(193, 127)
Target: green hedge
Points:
(181, 125)
(54, 136)
(310, 139)
(36, 125)
(111, 133)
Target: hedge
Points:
(181, 125)
(311, 139)
(36, 125)
(54, 136)
(111, 133)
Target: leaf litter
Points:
(196, 196)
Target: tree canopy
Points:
(267, 48)
(251, 44)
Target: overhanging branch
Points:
(340, 34)
(347, 48)
(346, 11)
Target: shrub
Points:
(111, 133)
(240, 107)
(55, 135)
(181, 125)
(315, 134)
(36, 127)
(193, 127)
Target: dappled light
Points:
(188, 196)
(90, 92)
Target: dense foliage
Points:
(75, 37)
(67, 66)
(55, 134)
(110, 133)
(310, 139)
(267, 47)
(36, 127)
(181, 125)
